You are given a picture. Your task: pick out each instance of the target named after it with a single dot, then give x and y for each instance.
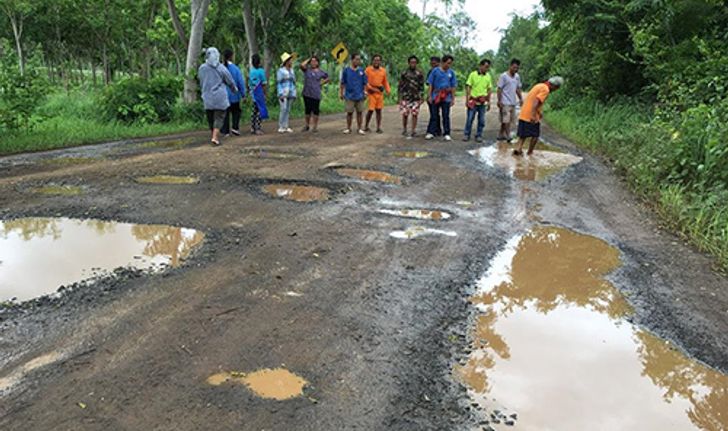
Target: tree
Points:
(17, 12)
(194, 47)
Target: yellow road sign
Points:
(340, 53)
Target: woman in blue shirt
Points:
(234, 97)
(258, 86)
(286, 86)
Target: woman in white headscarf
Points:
(214, 77)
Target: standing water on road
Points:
(37, 255)
(551, 347)
(544, 162)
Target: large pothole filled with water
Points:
(552, 347)
(38, 255)
(277, 383)
(419, 214)
(369, 175)
(296, 192)
(543, 163)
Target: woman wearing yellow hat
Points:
(286, 85)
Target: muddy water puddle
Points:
(272, 154)
(552, 346)
(277, 384)
(545, 161)
(38, 255)
(419, 231)
(297, 193)
(367, 175)
(411, 154)
(167, 179)
(57, 190)
(435, 215)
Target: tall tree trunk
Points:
(105, 62)
(93, 72)
(177, 23)
(17, 24)
(250, 34)
(199, 12)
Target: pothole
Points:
(411, 154)
(271, 154)
(298, 193)
(57, 190)
(435, 215)
(167, 179)
(551, 327)
(367, 175)
(418, 231)
(542, 164)
(278, 383)
(72, 250)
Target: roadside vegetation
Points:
(645, 87)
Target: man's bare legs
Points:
(414, 123)
(359, 118)
(349, 118)
(532, 145)
(369, 119)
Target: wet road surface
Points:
(349, 282)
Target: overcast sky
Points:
(490, 16)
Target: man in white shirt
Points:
(509, 96)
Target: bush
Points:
(19, 96)
(136, 99)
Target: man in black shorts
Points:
(529, 122)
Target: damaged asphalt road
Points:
(307, 271)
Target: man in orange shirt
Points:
(377, 84)
(529, 122)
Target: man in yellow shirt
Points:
(529, 122)
(377, 84)
(478, 90)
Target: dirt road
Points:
(372, 310)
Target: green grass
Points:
(650, 154)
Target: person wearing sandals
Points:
(478, 91)
(410, 89)
(258, 89)
(377, 85)
(314, 77)
(214, 78)
(353, 82)
(233, 112)
(529, 122)
(286, 85)
(441, 95)
(509, 97)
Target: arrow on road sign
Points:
(340, 52)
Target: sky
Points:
(490, 15)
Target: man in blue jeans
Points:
(434, 64)
(478, 90)
(442, 82)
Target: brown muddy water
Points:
(38, 255)
(167, 179)
(544, 162)
(57, 190)
(366, 175)
(297, 193)
(277, 384)
(551, 346)
(411, 154)
(434, 215)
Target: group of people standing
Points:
(223, 89)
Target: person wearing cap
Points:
(286, 86)
(478, 90)
(214, 78)
(353, 82)
(377, 84)
(529, 122)
(433, 125)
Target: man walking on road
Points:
(509, 96)
(478, 90)
(411, 89)
(377, 84)
(353, 83)
(443, 83)
(529, 122)
(432, 125)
